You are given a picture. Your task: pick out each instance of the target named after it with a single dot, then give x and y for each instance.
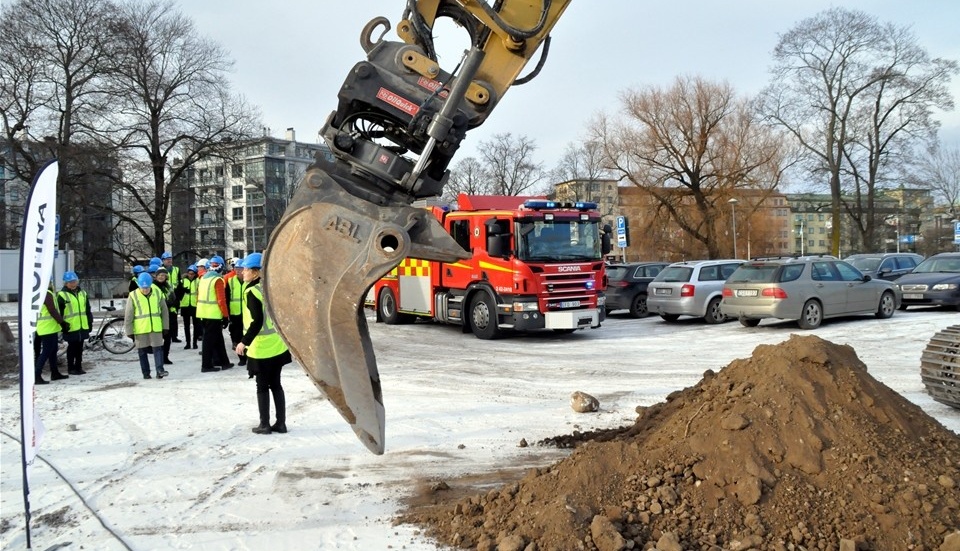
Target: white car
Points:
(690, 288)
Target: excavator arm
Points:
(400, 119)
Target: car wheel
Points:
(749, 322)
(670, 317)
(888, 304)
(714, 315)
(811, 316)
(483, 316)
(638, 307)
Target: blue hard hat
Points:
(155, 261)
(144, 280)
(152, 268)
(254, 260)
(138, 269)
(166, 255)
(217, 259)
(70, 276)
(192, 268)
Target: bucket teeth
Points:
(328, 251)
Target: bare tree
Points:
(54, 59)
(509, 162)
(581, 161)
(853, 93)
(173, 101)
(467, 176)
(691, 147)
(939, 169)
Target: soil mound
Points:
(796, 447)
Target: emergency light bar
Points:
(537, 204)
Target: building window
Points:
(238, 234)
(218, 172)
(238, 213)
(236, 170)
(237, 192)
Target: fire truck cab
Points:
(536, 264)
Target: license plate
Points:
(746, 292)
(570, 304)
(664, 291)
(913, 296)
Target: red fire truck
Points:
(536, 264)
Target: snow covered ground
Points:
(172, 464)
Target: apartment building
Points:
(235, 199)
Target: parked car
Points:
(889, 266)
(627, 286)
(934, 282)
(808, 290)
(691, 288)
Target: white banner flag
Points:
(36, 266)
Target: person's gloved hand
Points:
(65, 327)
(225, 323)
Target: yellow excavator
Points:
(399, 121)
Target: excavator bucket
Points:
(329, 249)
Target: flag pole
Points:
(36, 267)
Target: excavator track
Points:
(940, 366)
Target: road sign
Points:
(621, 223)
(956, 233)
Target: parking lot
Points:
(173, 463)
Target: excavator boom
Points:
(399, 121)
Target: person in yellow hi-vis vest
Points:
(74, 306)
(215, 317)
(173, 273)
(235, 288)
(188, 306)
(265, 351)
(49, 324)
(147, 319)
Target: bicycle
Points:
(110, 336)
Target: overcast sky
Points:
(291, 56)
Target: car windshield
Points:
(754, 273)
(930, 265)
(675, 274)
(867, 264)
(616, 273)
(559, 240)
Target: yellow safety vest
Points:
(46, 324)
(190, 296)
(174, 276)
(236, 295)
(207, 307)
(146, 312)
(267, 343)
(75, 310)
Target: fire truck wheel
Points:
(389, 309)
(483, 316)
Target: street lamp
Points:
(733, 211)
(251, 188)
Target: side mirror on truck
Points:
(606, 242)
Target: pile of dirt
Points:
(796, 447)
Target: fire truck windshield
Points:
(558, 240)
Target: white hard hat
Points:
(202, 262)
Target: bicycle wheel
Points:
(114, 338)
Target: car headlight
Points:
(944, 287)
(525, 306)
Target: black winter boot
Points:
(263, 403)
(280, 401)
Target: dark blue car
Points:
(935, 282)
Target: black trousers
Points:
(213, 351)
(48, 353)
(189, 314)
